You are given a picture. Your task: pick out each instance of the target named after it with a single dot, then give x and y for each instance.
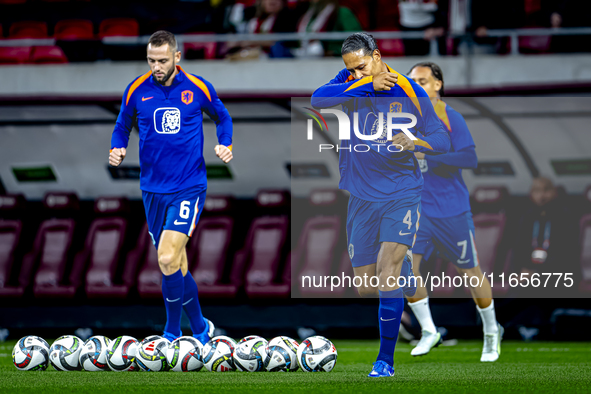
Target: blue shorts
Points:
(178, 211)
(452, 237)
(371, 223)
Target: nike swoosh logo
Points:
(401, 233)
(177, 223)
(463, 261)
(382, 319)
(175, 300)
(147, 98)
(185, 303)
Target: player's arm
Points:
(464, 155)
(343, 87)
(123, 126)
(216, 110)
(432, 139)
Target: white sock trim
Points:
(489, 319)
(423, 314)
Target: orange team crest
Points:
(187, 97)
(395, 107)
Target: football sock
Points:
(192, 307)
(489, 319)
(423, 314)
(172, 292)
(390, 312)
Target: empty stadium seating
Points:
(263, 256)
(28, 29)
(209, 250)
(52, 249)
(15, 55)
(10, 231)
(316, 252)
(149, 281)
(50, 54)
(103, 252)
(119, 27)
(74, 29)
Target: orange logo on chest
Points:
(187, 97)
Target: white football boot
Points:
(428, 341)
(492, 346)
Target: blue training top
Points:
(379, 174)
(445, 194)
(170, 123)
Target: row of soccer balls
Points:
(155, 353)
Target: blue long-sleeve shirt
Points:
(380, 174)
(170, 123)
(445, 194)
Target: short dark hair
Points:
(435, 70)
(357, 41)
(162, 37)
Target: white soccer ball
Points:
(249, 337)
(282, 355)
(93, 356)
(150, 338)
(31, 353)
(64, 353)
(121, 354)
(184, 355)
(250, 355)
(151, 355)
(317, 354)
(217, 354)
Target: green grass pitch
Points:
(540, 367)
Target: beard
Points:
(167, 75)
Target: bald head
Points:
(542, 191)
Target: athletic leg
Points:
(419, 304)
(170, 252)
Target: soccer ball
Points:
(250, 355)
(317, 354)
(93, 356)
(248, 338)
(184, 354)
(151, 355)
(64, 353)
(31, 353)
(150, 338)
(217, 354)
(282, 355)
(121, 354)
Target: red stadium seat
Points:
(102, 251)
(391, 47)
(48, 55)
(149, 281)
(585, 255)
(315, 255)
(263, 255)
(208, 48)
(52, 249)
(28, 29)
(15, 55)
(208, 256)
(74, 29)
(10, 232)
(119, 27)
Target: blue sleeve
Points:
(464, 152)
(120, 137)
(340, 90)
(465, 158)
(433, 139)
(216, 110)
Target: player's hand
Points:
(384, 81)
(419, 155)
(116, 156)
(223, 153)
(404, 141)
